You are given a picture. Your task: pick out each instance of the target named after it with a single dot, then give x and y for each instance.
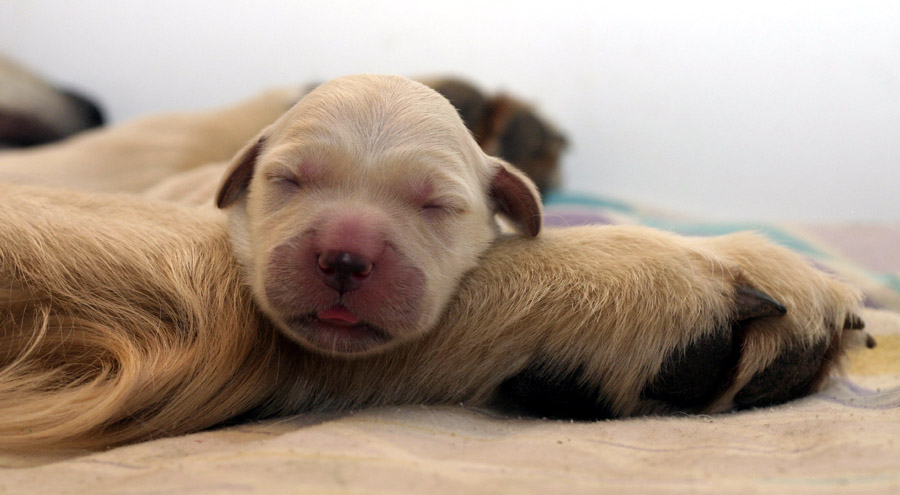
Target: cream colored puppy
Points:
(356, 214)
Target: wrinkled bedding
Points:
(845, 439)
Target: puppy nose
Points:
(343, 271)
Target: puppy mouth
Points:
(336, 330)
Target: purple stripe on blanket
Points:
(869, 303)
(850, 394)
(872, 246)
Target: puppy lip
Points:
(339, 316)
(340, 332)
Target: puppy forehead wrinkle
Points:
(440, 163)
(290, 152)
(367, 146)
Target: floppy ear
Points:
(236, 180)
(516, 197)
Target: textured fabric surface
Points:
(845, 439)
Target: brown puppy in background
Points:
(507, 128)
(34, 111)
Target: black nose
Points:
(343, 271)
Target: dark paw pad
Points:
(693, 376)
(542, 391)
(791, 375)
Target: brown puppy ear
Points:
(236, 180)
(516, 197)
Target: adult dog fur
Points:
(135, 156)
(126, 319)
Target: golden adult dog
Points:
(126, 318)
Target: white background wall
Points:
(732, 110)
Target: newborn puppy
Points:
(355, 215)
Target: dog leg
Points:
(125, 320)
(762, 353)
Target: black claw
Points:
(870, 341)
(853, 322)
(754, 303)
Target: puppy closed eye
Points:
(285, 187)
(433, 207)
(441, 209)
(285, 180)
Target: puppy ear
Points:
(236, 180)
(516, 197)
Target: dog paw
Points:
(784, 331)
(696, 373)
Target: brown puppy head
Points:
(357, 213)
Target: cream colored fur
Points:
(372, 164)
(126, 319)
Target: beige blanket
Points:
(845, 439)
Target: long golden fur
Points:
(126, 318)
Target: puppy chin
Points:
(348, 339)
(344, 340)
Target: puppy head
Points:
(356, 214)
